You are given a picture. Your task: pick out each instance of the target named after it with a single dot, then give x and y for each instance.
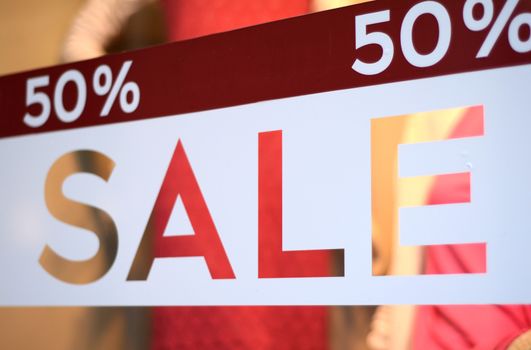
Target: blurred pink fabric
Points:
(192, 18)
(480, 327)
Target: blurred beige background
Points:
(31, 32)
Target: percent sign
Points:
(479, 24)
(102, 83)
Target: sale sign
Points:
(373, 154)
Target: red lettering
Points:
(273, 261)
(180, 181)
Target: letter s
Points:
(75, 213)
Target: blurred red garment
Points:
(481, 327)
(192, 18)
(274, 328)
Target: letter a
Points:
(180, 181)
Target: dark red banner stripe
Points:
(298, 56)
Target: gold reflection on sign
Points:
(80, 215)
